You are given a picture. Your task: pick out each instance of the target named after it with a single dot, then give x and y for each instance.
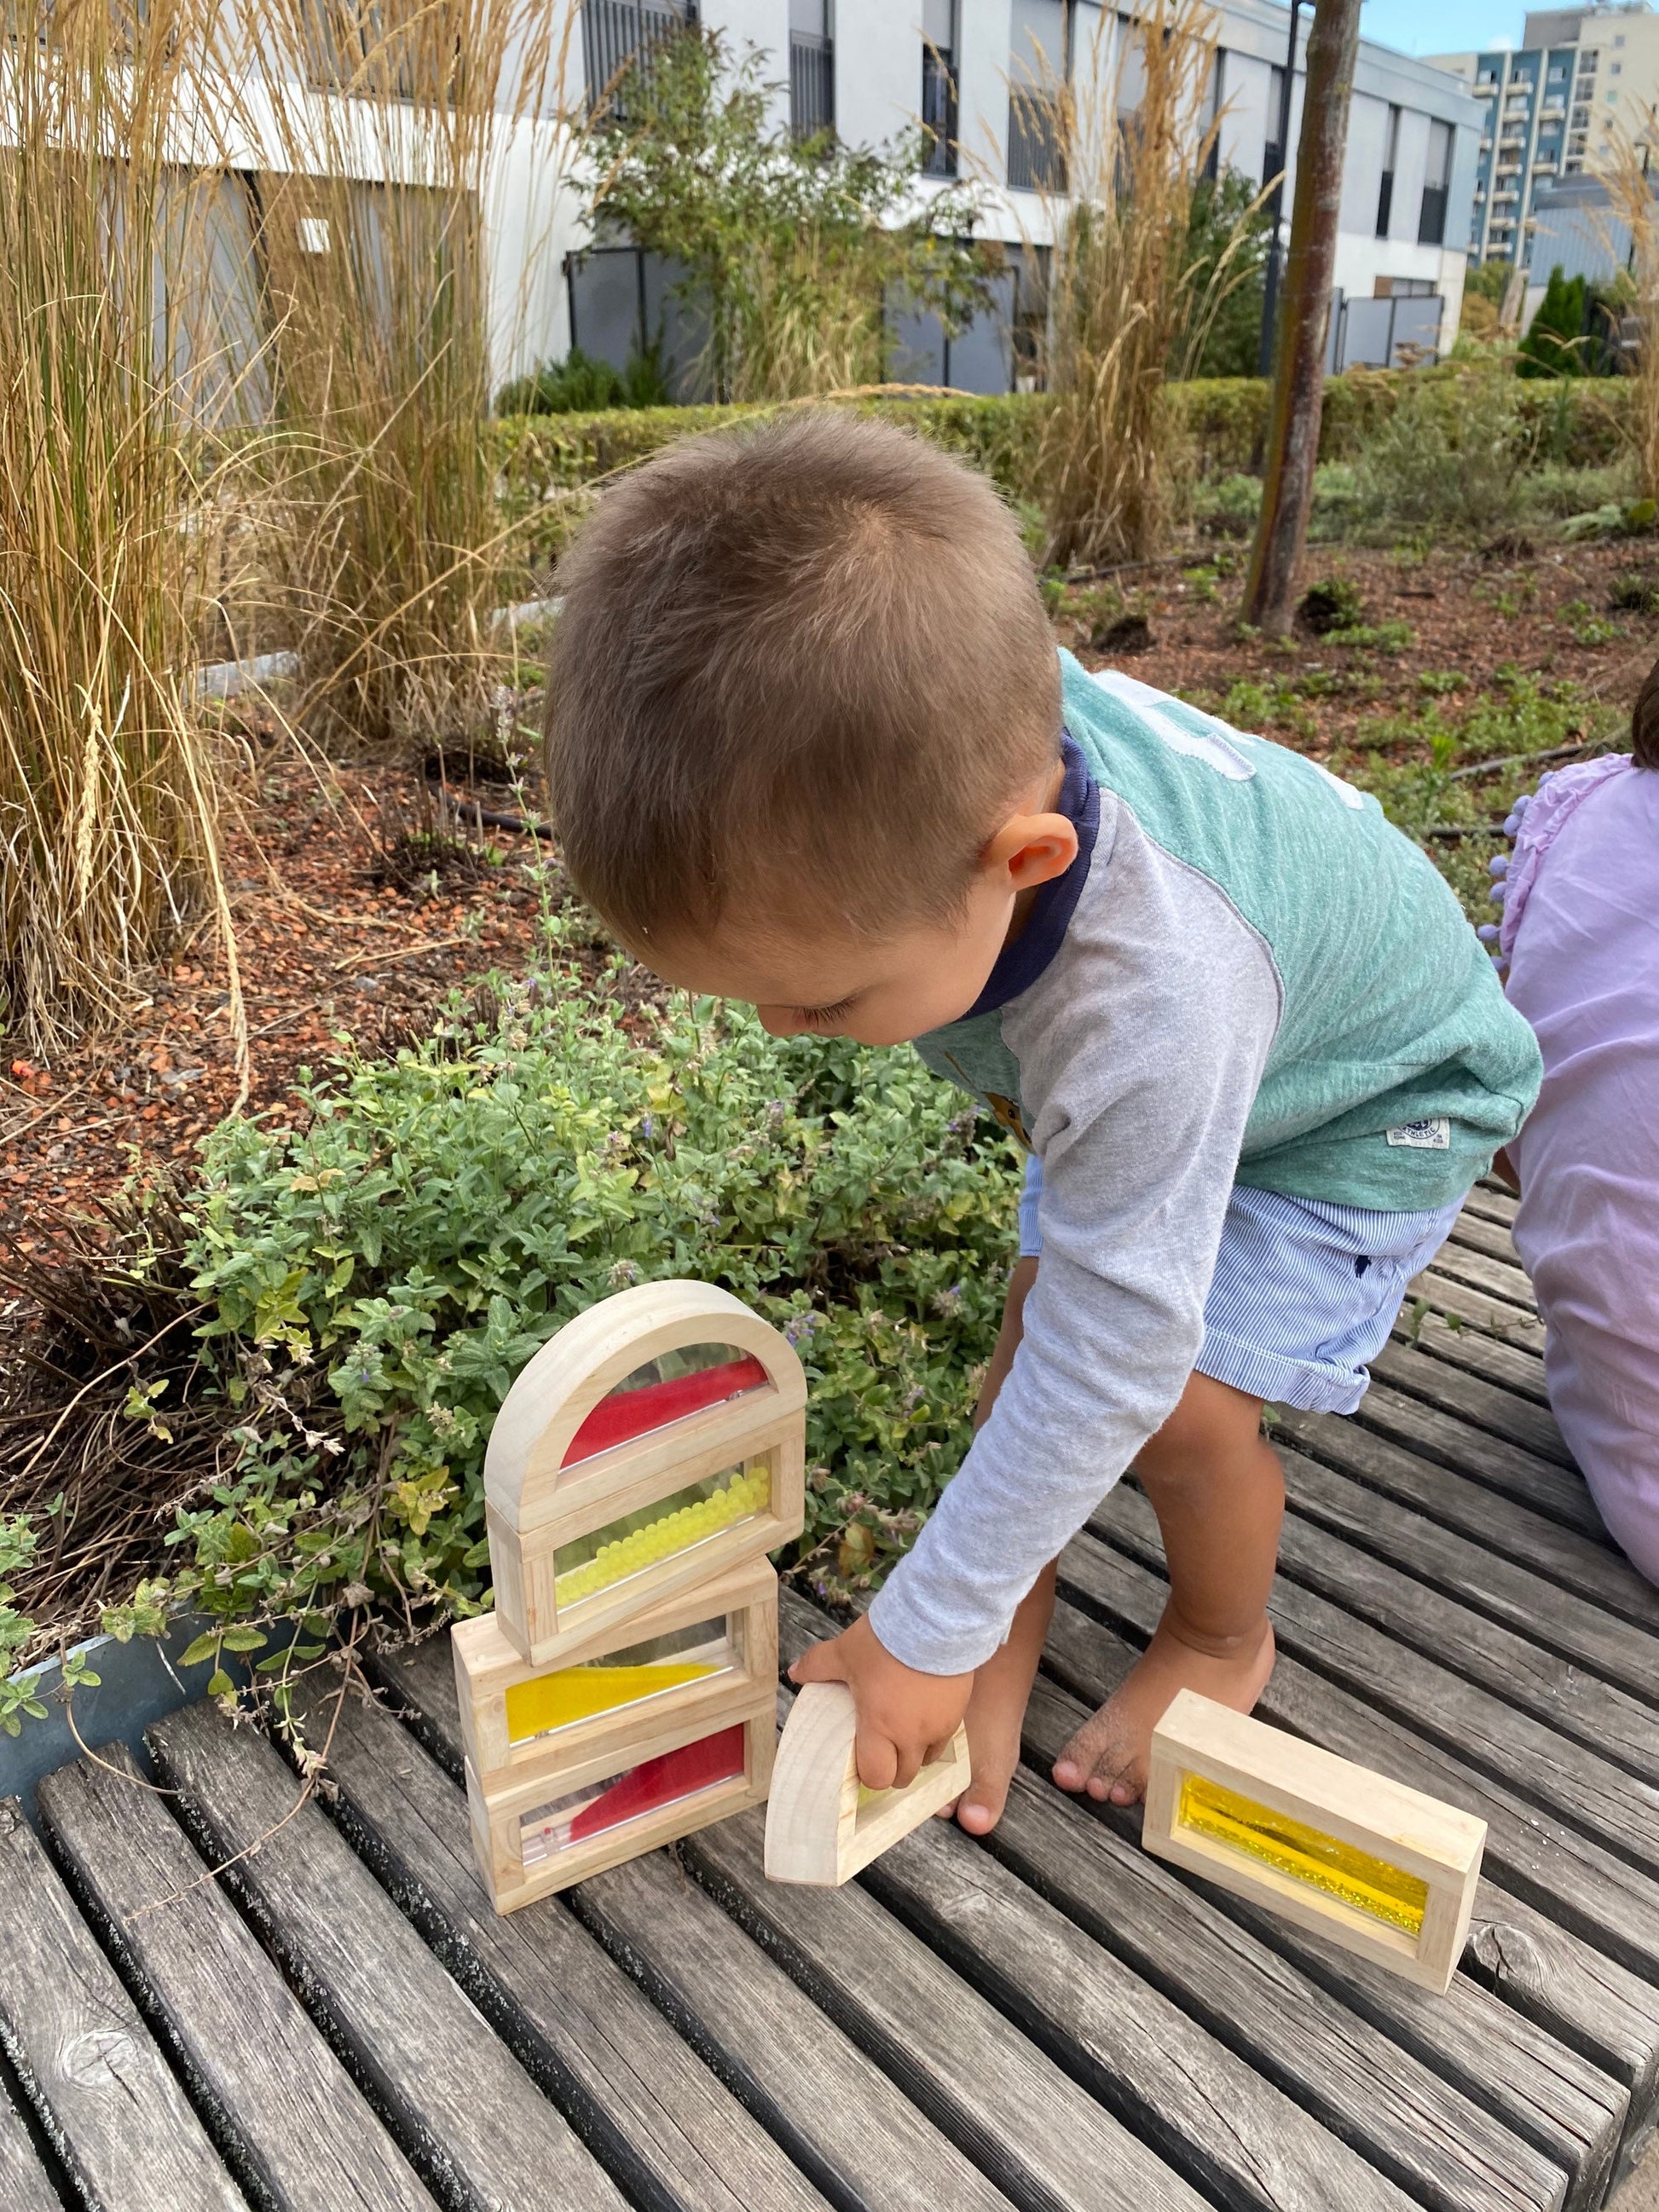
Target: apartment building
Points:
(1583, 81)
(871, 69)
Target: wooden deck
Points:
(337, 2020)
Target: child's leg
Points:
(1216, 1487)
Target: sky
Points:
(1443, 26)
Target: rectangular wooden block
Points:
(519, 1721)
(539, 1834)
(1378, 1868)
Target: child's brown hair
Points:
(1645, 722)
(803, 670)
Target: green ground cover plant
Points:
(360, 1282)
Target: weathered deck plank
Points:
(1554, 1489)
(1220, 2042)
(1500, 1318)
(927, 2030)
(841, 2119)
(293, 2128)
(1484, 1404)
(106, 2095)
(666, 2127)
(1437, 1337)
(464, 2109)
(25, 2185)
(1531, 1604)
(1493, 1522)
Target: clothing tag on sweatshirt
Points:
(1433, 1136)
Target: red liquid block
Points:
(660, 1781)
(625, 1414)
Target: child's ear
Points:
(1031, 849)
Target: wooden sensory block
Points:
(517, 1719)
(540, 1833)
(657, 1440)
(1379, 1868)
(822, 1825)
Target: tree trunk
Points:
(1304, 317)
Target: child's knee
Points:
(1213, 1430)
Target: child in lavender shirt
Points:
(1580, 935)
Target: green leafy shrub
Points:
(1554, 343)
(581, 384)
(375, 1272)
(1448, 457)
(1334, 604)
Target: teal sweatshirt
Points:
(1247, 977)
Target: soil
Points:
(345, 925)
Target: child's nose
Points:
(781, 1021)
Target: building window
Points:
(614, 31)
(1437, 180)
(1272, 153)
(1038, 65)
(1385, 194)
(939, 88)
(812, 67)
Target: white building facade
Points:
(872, 69)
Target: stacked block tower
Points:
(623, 1692)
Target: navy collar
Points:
(1019, 964)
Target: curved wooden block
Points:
(538, 1497)
(821, 1827)
(525, 1478)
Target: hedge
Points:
(548, 461)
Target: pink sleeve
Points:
(1538, 823)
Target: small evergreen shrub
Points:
(374, 1271)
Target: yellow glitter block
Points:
(1336, 1869)
(576, 1693)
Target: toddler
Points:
(810, 745)
(1580, 935)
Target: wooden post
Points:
(1304, 316)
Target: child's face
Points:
(881, 990)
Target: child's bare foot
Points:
(996, 1711)
(1107, 1755)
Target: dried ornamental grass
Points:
(1631, 191)
(110, 343)
(390, 552)
(1126, 138)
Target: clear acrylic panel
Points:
(621, 1679)
(696, 1514)
(668, 1779)
(668, 1388)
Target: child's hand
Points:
(906, 1719)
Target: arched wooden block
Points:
(540, 1502)
(820, 1827)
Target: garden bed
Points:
(355, 921)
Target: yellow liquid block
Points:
(1370, 1885)
(576, 1693)
(676, 1528)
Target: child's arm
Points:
(905, 1718)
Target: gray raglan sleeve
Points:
(1141, 1049)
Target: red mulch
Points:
(325, 946)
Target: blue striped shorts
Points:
(1303, 1293)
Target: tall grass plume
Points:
(112, 350)
(389, 550)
